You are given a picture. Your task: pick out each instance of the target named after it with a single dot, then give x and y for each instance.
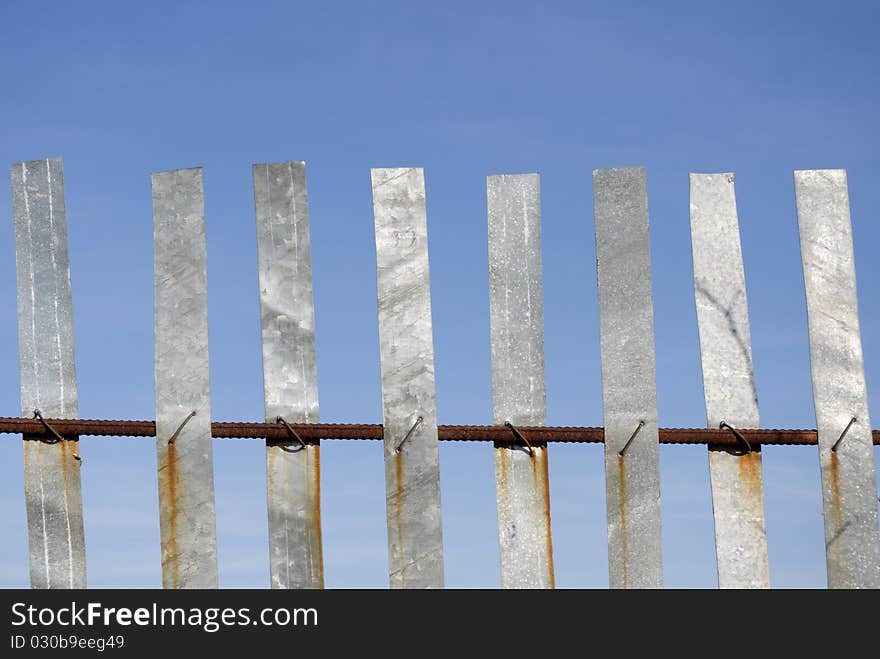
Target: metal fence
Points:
(410, 432)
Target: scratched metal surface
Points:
(849, 488)
(516, 314)
(406, 348)
(186, 471)
(53, 491)
(290, 372)
(728, 381)
(629, 394)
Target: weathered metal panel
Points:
(518, 388)
(629, 393)
(53, 492)
(849, 488)
(728, 381)
(406, 347)
(290, 372)
(186, 471)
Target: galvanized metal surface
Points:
(849, 488)
(186, 473)
(728, 381)
(290, 372)
(518, 387)
(629, 394)
(53, 492)
(406, 347)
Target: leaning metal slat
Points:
(629, 394)
(290, 373)
(849, 488)
(728, 382)
(406, 348)
(53, 490)
(518, 386)
(183, 407)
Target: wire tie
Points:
(631, 438)
(292, 433)
(180, 427)
(520, 437)
(843, 434)
(738, 435)
(409, 434)
(58, 437)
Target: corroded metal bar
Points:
(518, 388)
(728, 381)
(186, 471)
(406, 347)
(290, 373)
(849, 486)
(374, 431)
(629, 393)
(53, 490)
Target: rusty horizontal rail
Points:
(317, 431)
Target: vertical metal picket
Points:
(406, 347)
(53, 489)
(183, 406)
(629, 391)
(518, 388)
(290, 374)
(728, 381)
(846, 455)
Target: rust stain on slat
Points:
(170, 486)
(66, 464)
(541, 480)
(398, 511)
(316, 510)
(835, 491)
(749, 466)
(621, 480)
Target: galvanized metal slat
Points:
(629, 394)
(728, 381)
(518, 386)
(849, 488)
(183, 442)
(53, 491)
(290, 373)
(412, 470)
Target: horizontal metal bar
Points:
(502, 434)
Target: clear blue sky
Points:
(463, 89)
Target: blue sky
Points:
(120, 90)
